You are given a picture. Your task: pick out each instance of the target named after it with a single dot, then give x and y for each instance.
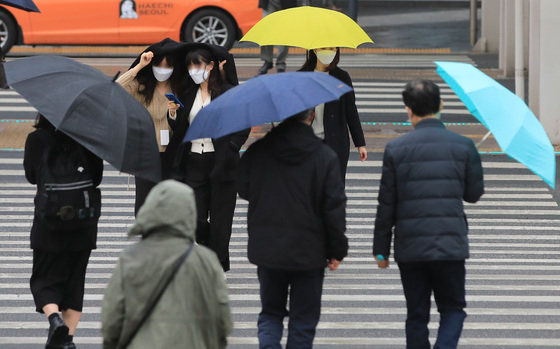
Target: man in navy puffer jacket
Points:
(426, 176)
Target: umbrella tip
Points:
(116, 75)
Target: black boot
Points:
(58, 331)
(265, 67)
(69, 344)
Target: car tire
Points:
(210, 26)
(8, 32)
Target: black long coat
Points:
(37, 142)
(226, 148)
(339, 117)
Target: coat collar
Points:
(431, 122)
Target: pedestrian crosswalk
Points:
(377, 100)
(513, 276)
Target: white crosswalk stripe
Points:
(513, 276)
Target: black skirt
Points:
(59, 278)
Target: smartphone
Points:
(174, 99)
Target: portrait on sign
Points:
(128, 9)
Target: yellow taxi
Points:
(128, 22)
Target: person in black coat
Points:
(296, 224)
(426, 176)
(208, 165)
(334, 119)
(60, 258)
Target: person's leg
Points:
(281, 58)
(142, 188)
(305, 308)
(267, 51)
(417, 291)
(71, 318)
(274, 295)
(75, 288)
(449, 293)
(222, 206)
(47, 284)
(198, 178)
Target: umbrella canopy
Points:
(513, 124)
(307, 27)
(26, 5)
(96, 112)
(264, 99)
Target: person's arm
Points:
(30, 157)
(385, 218)
(474, 181)
(334, 215)
(113, 310)
(126, 80)
(244, 174)
(352, 116)
(239, 138)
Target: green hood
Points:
(169, 204)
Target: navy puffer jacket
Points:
(426, 176)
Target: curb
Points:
(133, 51)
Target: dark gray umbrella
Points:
(92, 109)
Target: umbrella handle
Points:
(116, 76)
(483, 139)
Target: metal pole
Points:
(353, 9)
(474, 21)
(519, 56)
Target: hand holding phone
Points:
(174, 99)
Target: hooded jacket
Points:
(194, 308)
(296, 216)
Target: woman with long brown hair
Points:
(157, 71)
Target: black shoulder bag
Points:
(150, 308)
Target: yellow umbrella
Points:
(307, 27)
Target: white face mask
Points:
(162, 74)
(198, 75)
(326, 56)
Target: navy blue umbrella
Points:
(26, 5)
(264, 99)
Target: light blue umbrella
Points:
(264, 99)
(513, 124)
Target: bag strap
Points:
(156, 299)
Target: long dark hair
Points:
(311, 61)
(62, 139)
(147, 81)
(200, 56)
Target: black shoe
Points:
(69, 345)
(57, 332)
(280, 69)
(265, 67)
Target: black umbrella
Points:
(26, 5)
(96, 112)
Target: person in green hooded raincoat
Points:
(193, 311)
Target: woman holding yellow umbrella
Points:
(322, 32)
(333, 120)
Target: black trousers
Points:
(215, 205)
(305, 289)
(447, 280)
(143, 187)
(59, 278)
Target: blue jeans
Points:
(305, 289)
(447, 280)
